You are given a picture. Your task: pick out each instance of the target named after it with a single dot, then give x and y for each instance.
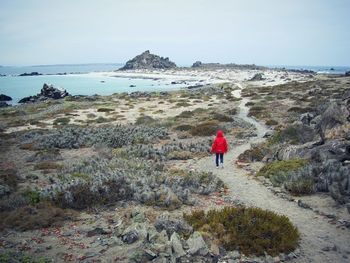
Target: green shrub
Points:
(185, 114)
(61, 121)
(33, 196)
(300, 109)
(300, 186)
(253, 231)
(271, 122)
(102, 120)
(34, 217)
(11, 256)
(46, 166)
(180, 155)
(278, 171)
(182, 104)
(144, 120)
(205, 129)
(184, 127)
(105, 110)
(222, 117)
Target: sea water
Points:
(83, 83)
(80, 84)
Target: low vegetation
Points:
(252, 231)
(279, 171)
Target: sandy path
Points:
(316, 232)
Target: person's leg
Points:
(217, 160)
(222, 159)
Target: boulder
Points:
(347, 73)
(196, 245)
(4, 97)
(47, 92)
(176, 245)
(257, 77)
(331, 115)
(146, 60)
(171, 225)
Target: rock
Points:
(331, 116)
(306, 118)
(269, 134)
(257, 77)
(149, 254)
(130, 237)
(348, 207)
(3, 104)
(303, 205)
(196, 64)
(197, 245)
(132, 86)
(47, 92)
(347, 73)
(148, 61)
(214, 249)
(234, 254)
(96, 232)
(171, 225)
(176, 245)
(4, 97)
(29, 74)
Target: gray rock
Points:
(4, 97)
(257, 77)
(197, 64)
(97, 231)
(269, 133)
(348, 207)
(176, 245)
(47, 92)
(197, 245)
(148, 61)
(303, 205)
(234, 254)
(130, 237)
(171, 225)
(4, 104)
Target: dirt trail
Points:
(317, 234)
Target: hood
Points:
(220, 134)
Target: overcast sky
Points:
(264, 32)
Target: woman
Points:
(219, 147)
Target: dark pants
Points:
(221, 155)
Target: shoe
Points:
(217, 167)
(222, 166)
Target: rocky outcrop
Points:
(257, 77)
(29, 74)
(47, 92)
(3, 104)
(148, 61)
(197, 64)
(4, 97)
(322, 138)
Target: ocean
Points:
(80, 79)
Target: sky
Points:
(269, 32)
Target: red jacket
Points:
(220, 144)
